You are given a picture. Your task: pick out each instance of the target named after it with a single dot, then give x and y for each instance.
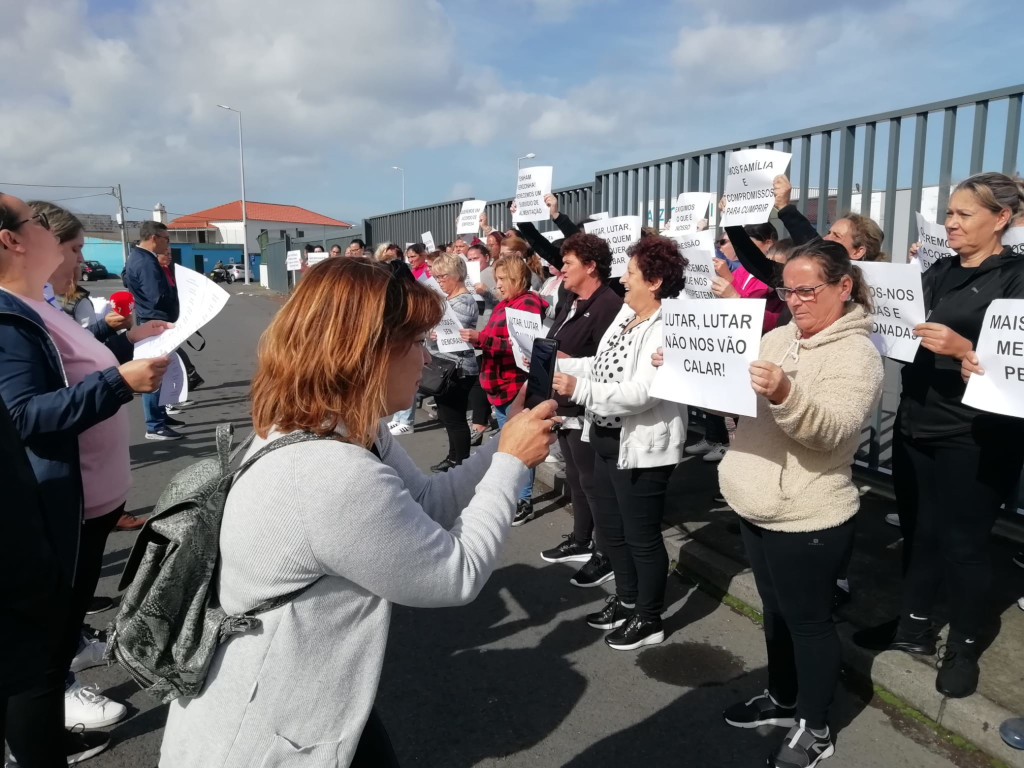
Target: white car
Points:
(237, 271)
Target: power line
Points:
(80, 197)
(55, 186)
(150, 210)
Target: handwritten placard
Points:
(898, 306)
(620, 233)
(709, 345)
(531, 187)
(748, 185)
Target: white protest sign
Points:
(1001, 353)
(174, 385)
(431, 283)
(698, 248)
(709, 345)
(689, 209)
(469, 217)
(523, 328)
(599, 216)
(199, 301)
(293, 262)
(554, 234)
(531, 186)
(428, 240)
(448, 338)
(472, 276)
(316, 257)
(748, 185)
(934, 245)
(898, 306)
(1014, 238)
(620, 233)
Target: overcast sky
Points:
(100, 92)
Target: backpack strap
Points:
(240, 622)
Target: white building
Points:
(223, 224)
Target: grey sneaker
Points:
(164, 433)
(802, 749)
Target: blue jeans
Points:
(155, 414)
(501, 413)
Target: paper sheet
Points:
(174, 385)
(199, 299)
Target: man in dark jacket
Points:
(155, 299)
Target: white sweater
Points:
(298, 690)
(788, 469)
(653, 430)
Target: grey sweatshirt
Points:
(300, 687)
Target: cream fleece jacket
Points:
(789, 468)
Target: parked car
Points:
(93, 270)
(237, 271)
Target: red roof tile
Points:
(290, 214)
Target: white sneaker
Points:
(717, 453)
(400, 429)
(553, 458)
(87, 707)
(90, 656)
(697, 449)
(893, 519)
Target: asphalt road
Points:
(516, 678)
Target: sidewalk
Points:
(704, 538)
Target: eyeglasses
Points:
(39, 217)
(804, 294)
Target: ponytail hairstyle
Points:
(836, 264)
(63, 223)
(996, 191)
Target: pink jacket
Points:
(749, 287)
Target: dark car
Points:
(93, 270)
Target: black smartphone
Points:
(542, 371)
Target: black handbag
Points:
(437, 376)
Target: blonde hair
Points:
(517, 274)
(996, 191)
(449, 264)
(378, 254)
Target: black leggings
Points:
(35, 718)
(628, 507)
(479, 403)
(795, 575)
(451, 412)
(579, 473)
(948, 493)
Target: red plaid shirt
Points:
(500, 377)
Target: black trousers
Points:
(451, 412)
(795, 575)
(34, 721)
(479, 403)
(579, 474)
(628, 507)
(948, 492)
(715, 430)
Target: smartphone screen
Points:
(542, 371)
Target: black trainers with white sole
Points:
(636, 633)
(595, 572)
(760, 710)
(614, 614)
(802, 748)
(569, 551)
(524, 512)
(79, 746)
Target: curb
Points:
(975, 718)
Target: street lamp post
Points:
(245, 219)
(401, 171)
(519, 161)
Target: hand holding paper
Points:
(148, 329)
(943, 340)
(144, 375)
(769, 380)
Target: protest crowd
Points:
(640, 336)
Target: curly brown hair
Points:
(659, 257)
(590, 249)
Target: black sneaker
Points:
(476, 436)
(760, 710)
(172, 422)
(164, 433)
(444, 465)
(636, 633)
(524, 512)
(802, 749)
(595, 572)
(195, 382)
(1018, 559)
(909, 634)
(958, 669)
(569, 551)
(614, 614)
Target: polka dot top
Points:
(610, 364)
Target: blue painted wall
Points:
(199, 257)
(107, 252)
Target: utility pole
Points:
(122, 222)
